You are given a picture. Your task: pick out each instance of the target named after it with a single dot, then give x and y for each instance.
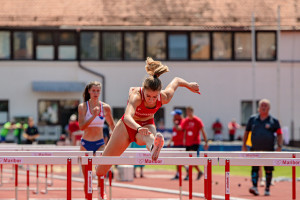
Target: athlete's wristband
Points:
(137, 130)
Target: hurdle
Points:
(44, 160)
(227, 162)
(257, 154)
(41, 154)
(131, 160)
(174, 154)
(165, 153)
(104, 160)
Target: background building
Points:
(49, 50)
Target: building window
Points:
(246, 108)
(222, 49)
(242, 46)
(22, 47)
(156, 45)
(134, 45)
(89, 45)
(178, 46)
(112, 46)
(118, 112)
(54, 112)
(266, 46)
(4, 45)
(45, 46)
(4, 111)
(200, 46)
(67, 49)
(48, 112)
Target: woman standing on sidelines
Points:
(91, 116)
(137, 124)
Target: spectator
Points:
(4, 131)
(177, 134)
(18, 131)
(73, 127)
(192, 126)
(31, 133)
(263, 127)
(217, 128)
(232, 127)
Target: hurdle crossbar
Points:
(46, 153)
(260, 161)
(161, 154)
(131, 160)
(252, 154)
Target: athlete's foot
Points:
(157, 145)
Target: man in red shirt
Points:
(192, 126)
(73, 127)
(217, 127)
(232, 126)
(177, 134)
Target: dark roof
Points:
(200, 14)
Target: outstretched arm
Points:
(168, 93)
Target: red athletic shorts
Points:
(132, 132)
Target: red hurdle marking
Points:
(89, 176)
(16, 181)
(27, 177)
(69, 179)
(190, 180)
(227, 180)
(205, 179)
(294, 180)
(209, 181)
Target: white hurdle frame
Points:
(78, 154)
(254, 154)
(62, 160)
(144, 154)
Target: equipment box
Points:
(125, 173)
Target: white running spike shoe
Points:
(157, 145)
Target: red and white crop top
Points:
(142, 111)
(99, 120)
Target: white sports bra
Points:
(99, 120)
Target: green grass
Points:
(235, 170)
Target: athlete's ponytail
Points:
(154, 69)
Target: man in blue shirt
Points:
(265, 130)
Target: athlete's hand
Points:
(194, 87)
(144, 131)
(96, 111)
